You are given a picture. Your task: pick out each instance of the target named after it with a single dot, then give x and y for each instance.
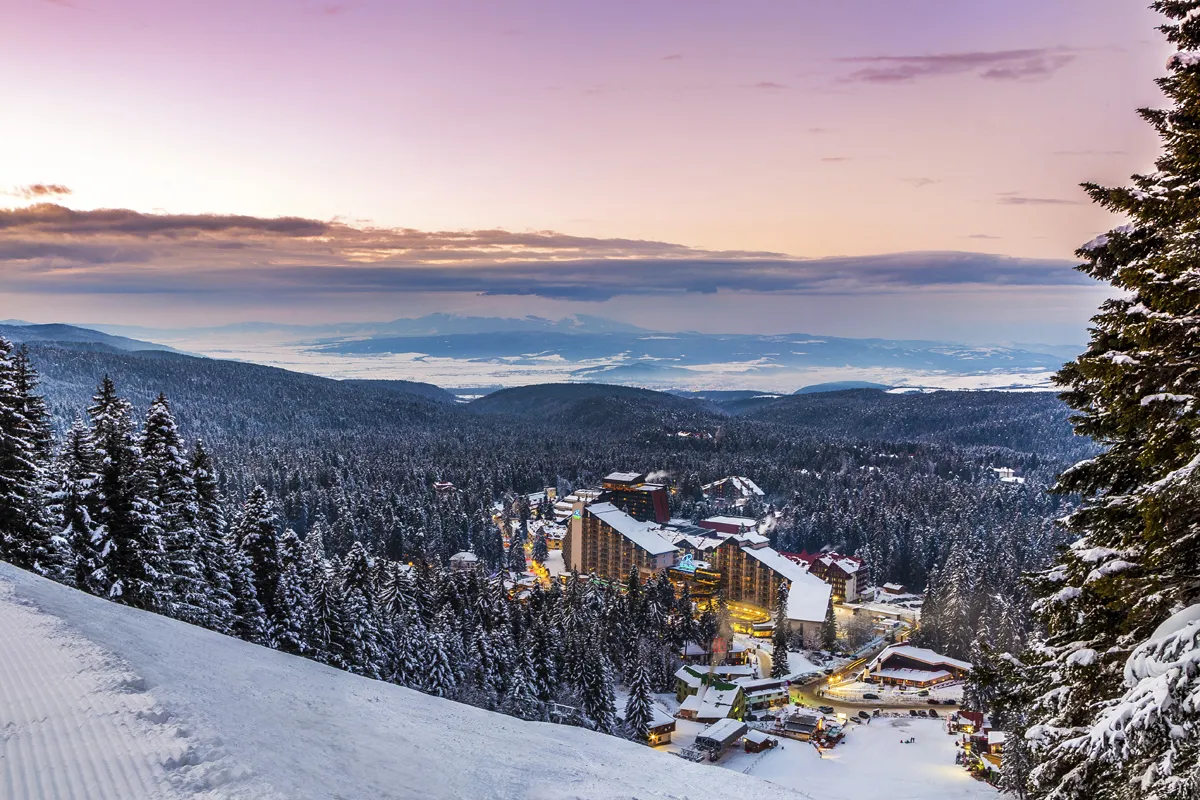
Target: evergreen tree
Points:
(167, 474)
(130, 543)
(596, 691)
(257, 536)
(829, 629)
(541, 551)
(26, 536)
(779, 639)
(639, 707)
(1114, 676)
(439, 678)
(75, 506)
(213, 547)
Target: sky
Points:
(900, 168)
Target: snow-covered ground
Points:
(870, 762)
(104, 702)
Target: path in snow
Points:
(86, 687)
(75, 723)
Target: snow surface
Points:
(870, 762)
(101, 701)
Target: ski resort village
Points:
(799, 670)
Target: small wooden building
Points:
(757, 741)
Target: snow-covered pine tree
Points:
(130, 541)
(1115, 676)
(596, 691)
(27, 538)
(779, 639)
(520, 700)
(364, 652)
(257, 536)
(541, 550)
(326, 632)
(74, 507)
(167, 473)
(439, 678)
(214, 549)
(639, 706)
(829, 628)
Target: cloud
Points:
(769, 85)
(1019, 200)
(673, 57)
(919, 182)
(1000, 65)
(1091, 152)
(835, 159)
(36, 191)
(981, 236)
(236, 259)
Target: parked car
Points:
(933, 713)
(864, 715)
(933, 701)
(826, 709)
(923, 693)
(912, 712)
(870, 696)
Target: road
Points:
(806, 693)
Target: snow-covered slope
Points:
(102, 701)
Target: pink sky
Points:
(804, 128)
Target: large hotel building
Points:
(626, 524)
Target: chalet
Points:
(443, 487)
(757, 741)
(718, 736)
(894, 588)
(905, 665)
(714, 700)
(802, 725)
(662, 725)
(966, 722)
(735, 653)
(466, 561)
(763, 694)
(734, 490)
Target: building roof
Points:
(996, 737)
(916, 675)
(757, 737)
(646, 535)
(723, 731)
(808, 595)
(712, 702)
(659, 718)
(744, 522)
(922, 654)
(744, 486)
(689, 677)
(465, 555)
(624, 477)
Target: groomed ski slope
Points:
(102, 701)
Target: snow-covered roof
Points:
(808, 595)
(694, 649)
(723, 730)
(658, 717)
(465, 555)
(922, 654)
(756, 737)
(915, 675)
(744, 522)
(711, 702)
(689, 677)
(744, 486)
(996, 737)
(645, 535)
(622, 477)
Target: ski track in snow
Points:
(77, 724)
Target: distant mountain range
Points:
(460, 351)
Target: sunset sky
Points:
(902, 168)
